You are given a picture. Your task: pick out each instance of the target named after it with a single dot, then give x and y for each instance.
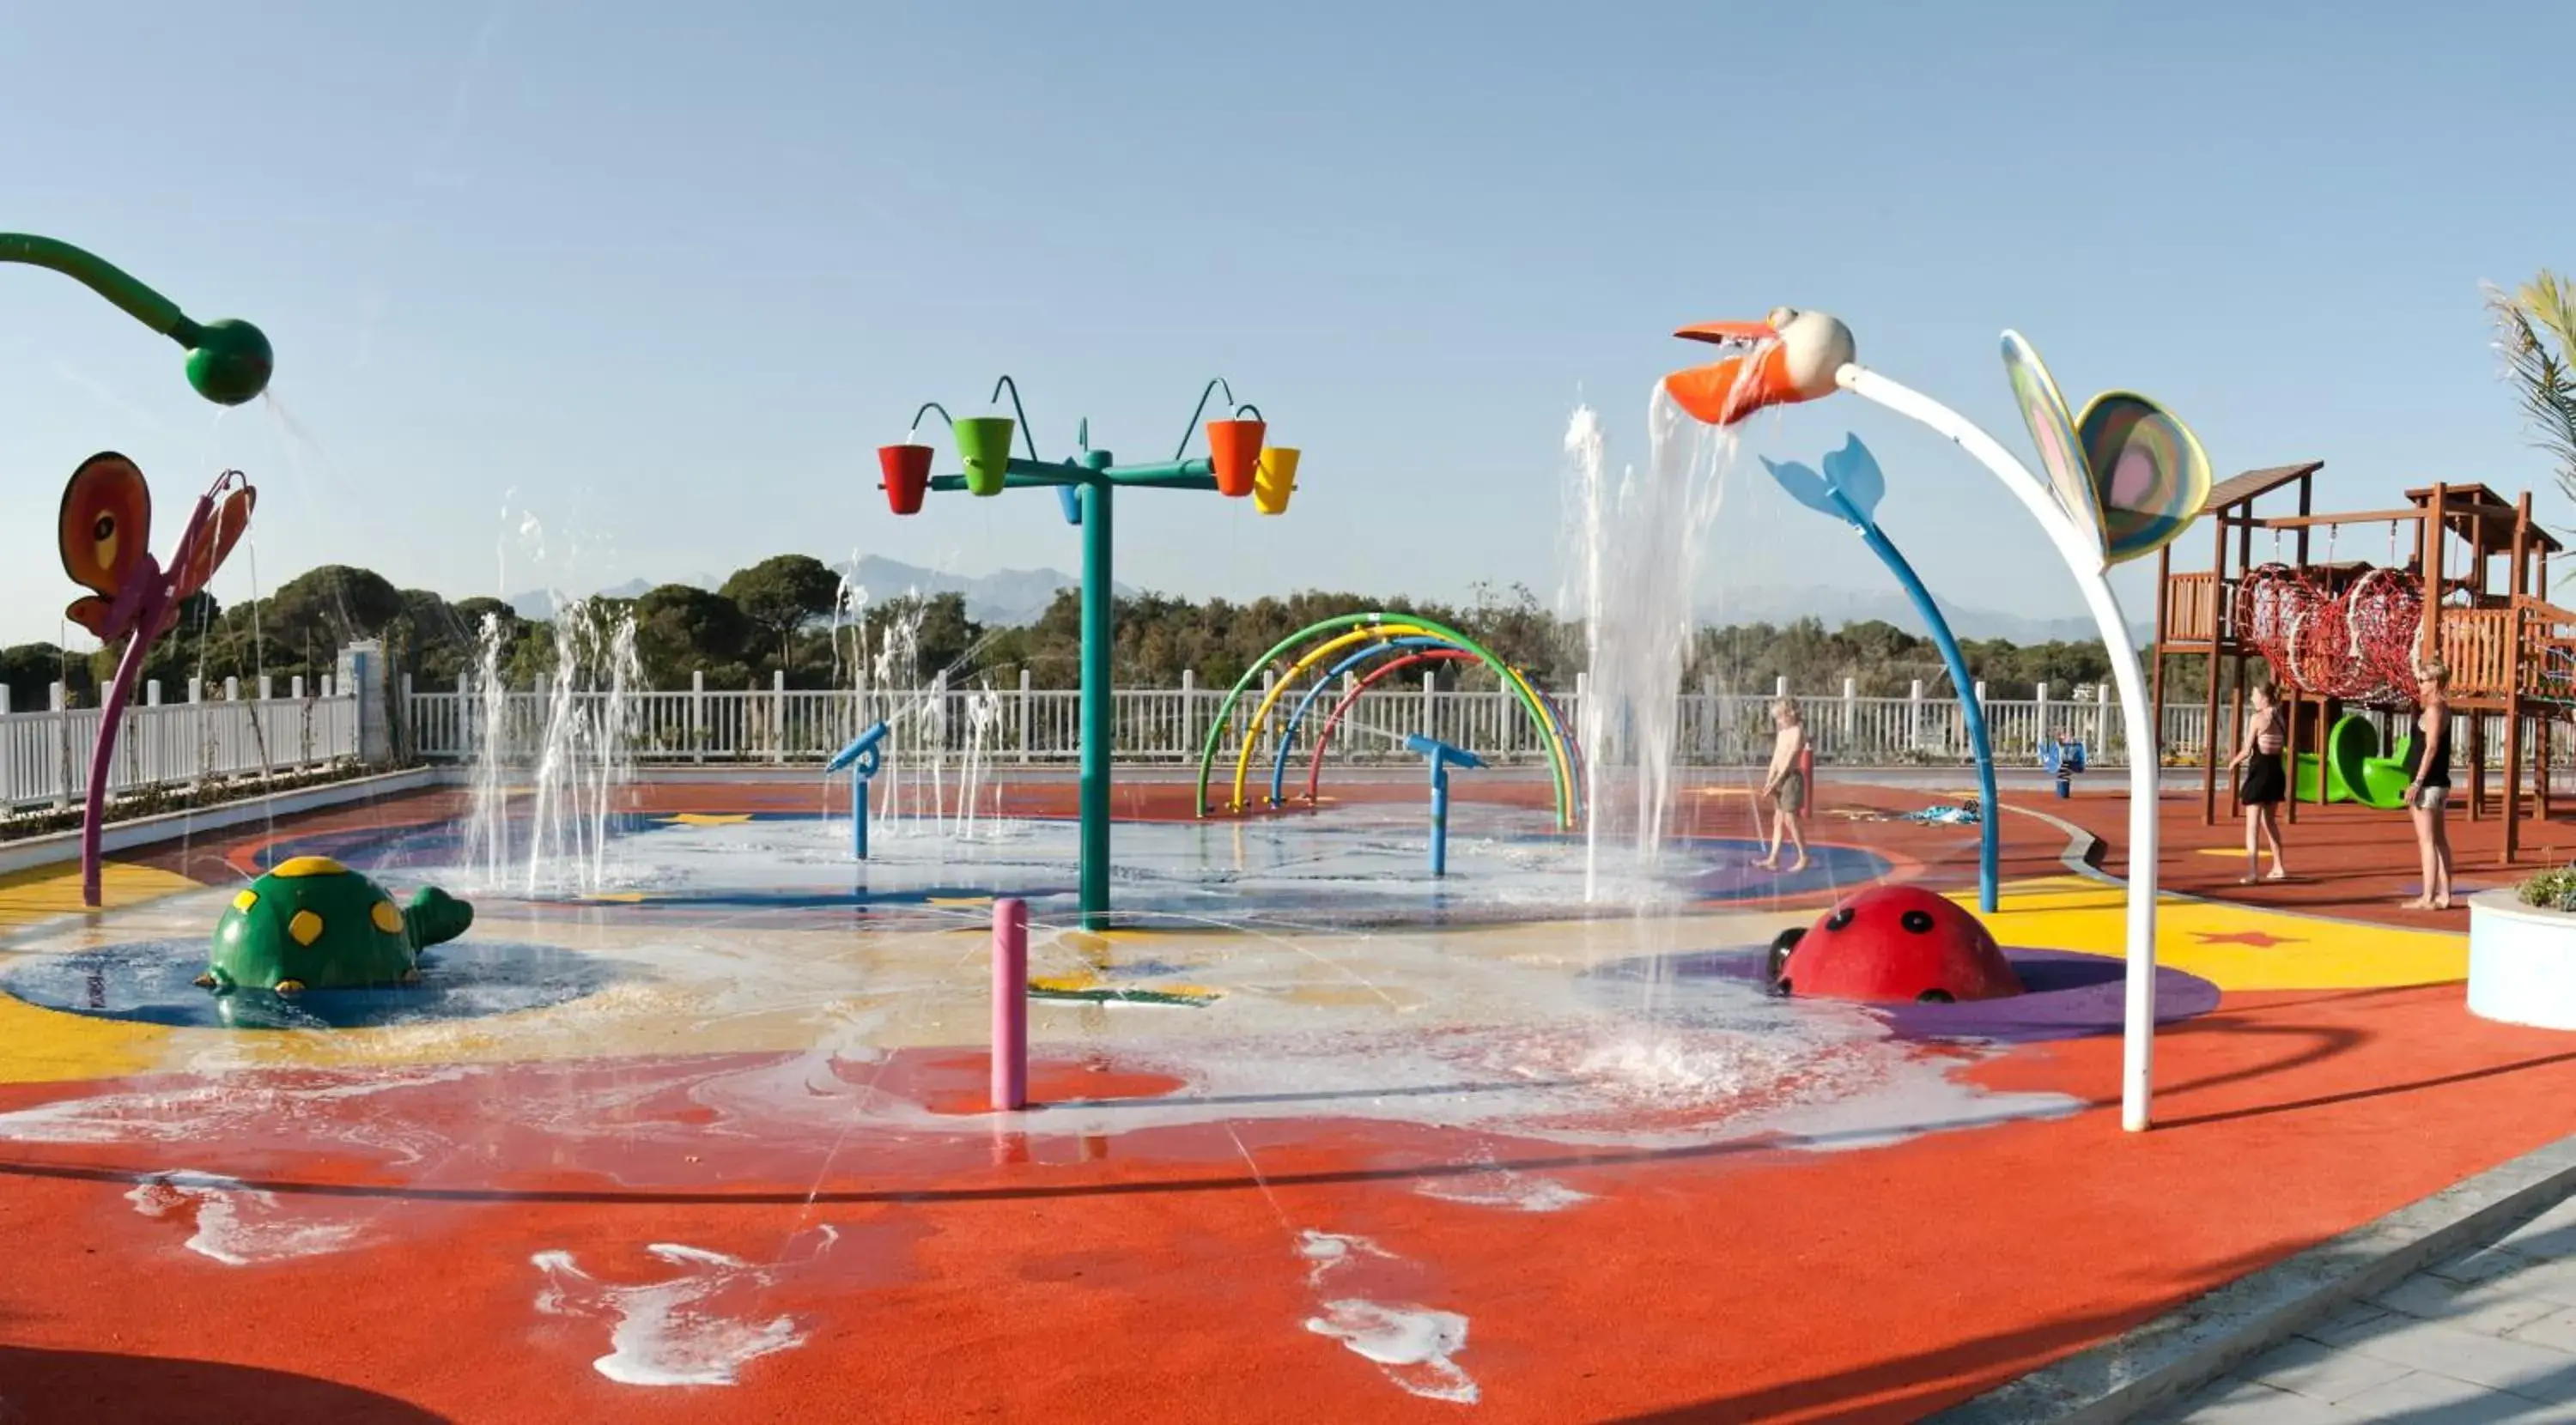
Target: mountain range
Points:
(1019, 596)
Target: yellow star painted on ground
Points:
(2214, 939)
(706, 818)
(960, 900)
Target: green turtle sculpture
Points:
(314, 924)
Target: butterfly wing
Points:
(95, 614)
(2061, 454)
(2152, 475)
(106, 523)
(215, 540)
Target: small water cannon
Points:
(1442, 756)
(2063, 758)
(862, 757)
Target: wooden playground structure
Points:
(2344, 636)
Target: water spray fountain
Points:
(583, 757)
(2124, 479)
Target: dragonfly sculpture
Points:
(106, 533)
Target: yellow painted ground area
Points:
(707, 818)
(2233, 947)
(47, 1046)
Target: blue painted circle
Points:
(149, 982)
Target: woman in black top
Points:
(2266, 785)
(2429, 794)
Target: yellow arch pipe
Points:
(1383, 633)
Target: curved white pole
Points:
(2083, 558)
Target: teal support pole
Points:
(1099, 637)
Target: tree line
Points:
(787, 615)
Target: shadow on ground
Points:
(39, 1387)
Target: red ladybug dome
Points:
(1898, 944)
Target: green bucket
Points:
(984, 443)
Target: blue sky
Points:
(660, 275)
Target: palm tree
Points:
(2536, 330)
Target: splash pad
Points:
(731, 1013)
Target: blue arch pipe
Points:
(1850, 489)
(1297, 717)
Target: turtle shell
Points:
(311, 924)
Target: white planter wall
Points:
(2522, 962)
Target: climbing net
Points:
(2358, 645)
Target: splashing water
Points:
(1634, 550)
(583, 750)
(487, 827)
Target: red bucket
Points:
(907, 475)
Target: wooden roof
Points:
(2254, 484)
(2483, 518)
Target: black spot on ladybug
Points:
(1935, 997)
(1917, 921)
(1781, 945)
(1839, 919)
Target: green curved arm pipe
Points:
(229, 361)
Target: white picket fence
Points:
(44, 755)
(1169, 725)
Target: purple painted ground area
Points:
(2066, 996)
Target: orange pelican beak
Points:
(1788, 357)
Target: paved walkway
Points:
(2486, 1336)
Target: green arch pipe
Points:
(1216, 727)
(229, 361)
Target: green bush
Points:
(2552, 890)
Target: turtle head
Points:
(434, 917)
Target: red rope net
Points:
(2358, 645)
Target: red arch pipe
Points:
(1315, 768)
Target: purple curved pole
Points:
(151, 615)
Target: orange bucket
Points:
(1234, 450)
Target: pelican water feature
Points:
(1794, 356)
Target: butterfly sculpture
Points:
(106, 534)
(2127, 471)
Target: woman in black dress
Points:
(2266, 786)
(2428, 795)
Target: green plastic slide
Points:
(2355, 771)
